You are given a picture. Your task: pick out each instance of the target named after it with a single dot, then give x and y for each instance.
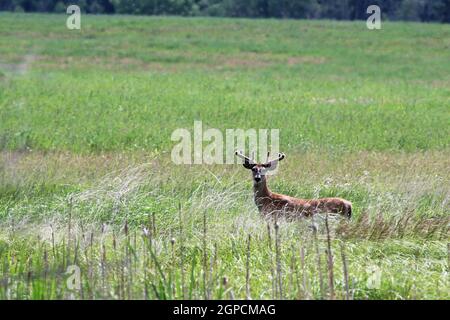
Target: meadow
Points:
(86, 177)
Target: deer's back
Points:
(302, 207)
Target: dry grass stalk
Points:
(278, 260)
(318, 257)
(247, 273)
(330, 260)
(272, 271)
(205, 258)
(345, 271)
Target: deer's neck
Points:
(261, 190)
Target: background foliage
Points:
(413, 10)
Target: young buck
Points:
(273, 204)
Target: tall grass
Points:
(115, 267)
(131, 240)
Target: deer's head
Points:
(259, 170)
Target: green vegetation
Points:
(86, 177)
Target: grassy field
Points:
(86, 177)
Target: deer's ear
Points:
(272, 165)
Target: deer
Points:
(271, 204)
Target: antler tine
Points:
(280, 157)
(241, 155)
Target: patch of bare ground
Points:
(244, 60)
(339, 100)
(8, 67)
(20, 68)
(262, 60)
(171, 63)
(168, 63)
(436, 83)
(107, 63)
(305, 60)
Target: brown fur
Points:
(271, 203)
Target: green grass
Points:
(85, 170)
(324, 84)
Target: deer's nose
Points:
(258, 178)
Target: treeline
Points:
(413, 10)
